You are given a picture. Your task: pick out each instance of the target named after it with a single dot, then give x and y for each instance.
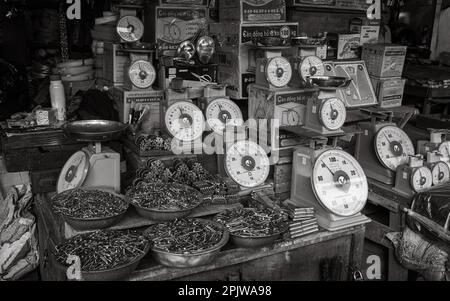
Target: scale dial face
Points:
(247, 164)
(278, 72)
(185, 121)
(393, 147)
(444, 149)
(339, 183)
(142, 74)
(333, 114)
(421, 179)
(74, 172)
(311, 66)
(222, 112)
(130, 29)
(441, 173)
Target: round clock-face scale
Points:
(441, 173)
(185, 121)
(444, 149)
(339, 183)
(421, 179)
(142, 74)
(247, 164)
(74, 172)
(221, 113)
(393, 147)
(130, 29)
(278, 72)
(333, 114)
(311, 66)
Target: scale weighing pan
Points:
(94, 130)
(330, 82)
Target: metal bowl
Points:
(115, 274)
(94, 130)
(159, 215)
(194, 259)
(91, 224)
(256, 242)
(330, 82)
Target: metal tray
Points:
(94, 130)
(330, 82)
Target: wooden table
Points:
(298, 259)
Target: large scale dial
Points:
(339, 183)
(247, 164)
(130, 29)
(333, 114)
(142, 74)
(278, 71)
(74, 172)
(221, 113)
(444, 149)
(185, 121)
(393, 147)
(421, 179)
(311, 66)
(441, 173)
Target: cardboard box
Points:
(384, 60)
(389, 91)
(193, 76)
(288, 107)
(349, 46)
(170, 25)
(250, 12)
(339, 4)
(125, 100)
(237, 56)
(114, 63)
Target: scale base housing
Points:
(104, 170)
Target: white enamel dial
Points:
(130, 29)
(333, 114)
(339, 183)
(421, 179)
(222, 112)
(74, 172)
(444, 149)
(185, 121)
(441, 173)
(278, 72)
(142, 74)
(247, 164)
(393, 147)
(311, 66)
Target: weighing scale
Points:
(223, 112)
(332, 181)
(140, 74)
(360, 92)
(94, 165)
(438, 142)
(382, 147)
(185, 121)
(304, 68)
(130, 29)
(413, 177)
(440, 170)
(273, 71)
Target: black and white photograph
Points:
(220, 148)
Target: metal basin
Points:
(94, 130)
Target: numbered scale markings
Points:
(339, 183)
(185, 121)
(421, 179)
(142, 74)
(311, 66)
(223, 112)
(278, 72)
(130, 29)
(393, 147)
(247, 164)
(333, 114)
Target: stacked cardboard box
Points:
(241, 22)
(385, 64)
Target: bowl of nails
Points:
(186, 242)
(87, 209)
(161, 201)
(254, 228)
(104, 255)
